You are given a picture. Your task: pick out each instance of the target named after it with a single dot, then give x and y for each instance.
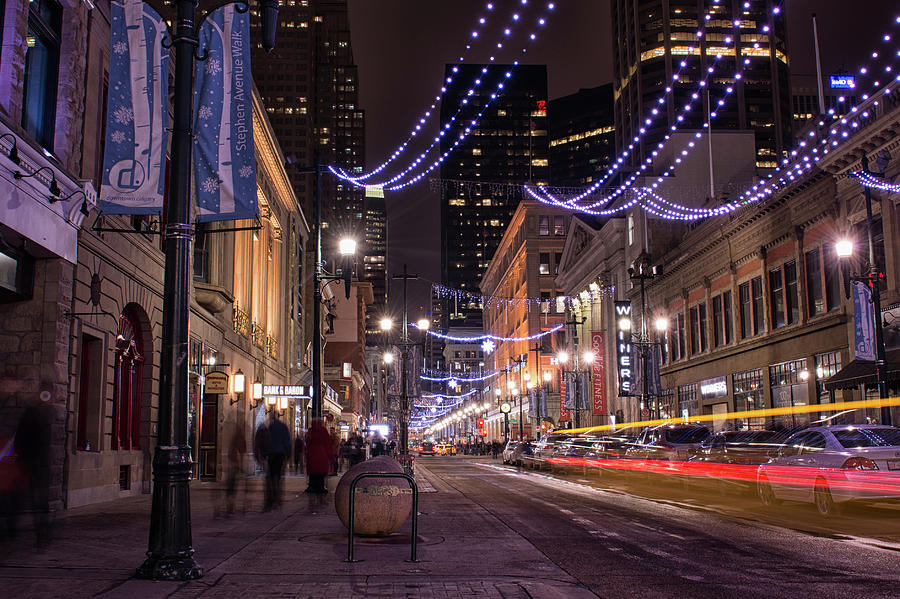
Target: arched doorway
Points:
(128, 382)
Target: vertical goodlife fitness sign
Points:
(624, 369)
(598, 368)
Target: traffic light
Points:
(481, 423)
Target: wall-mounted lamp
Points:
(13, 153)
(84, 205)
(282, 403)
(238, 382)
(53, 187)
(257, 393)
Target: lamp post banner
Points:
(224, 152)
(863, 322)
(134, 174)
(565, 414)
(598, 371)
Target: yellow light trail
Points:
(764, 413)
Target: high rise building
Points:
(651, 40)
(375, 261)
(582, 136)
(309, 84)
(482, 178)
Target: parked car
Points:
(572, 453)
(730, 459)
(544, 447)
(427, 448)
(509, 451)
(831, 465)
(662, 449)
(523, 455)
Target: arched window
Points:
(129, 356)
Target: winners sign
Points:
(624, 366)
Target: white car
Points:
(829, 465)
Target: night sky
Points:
(401, 47)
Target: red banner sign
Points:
(564, 414)
(598, 372)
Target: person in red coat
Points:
(319, 454)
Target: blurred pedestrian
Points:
(357, 449)
(237, 448)
(279, 448)
(261, 446)
(335, 451)
(298, 453)
(344, 455)
(32, 448)
(319, 456)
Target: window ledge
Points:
(212, 297)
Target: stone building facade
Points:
(81, 305)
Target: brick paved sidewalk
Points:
(296, 552)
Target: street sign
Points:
(216, 382)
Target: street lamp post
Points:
(404, 364)
(872, 278)
(169, 550)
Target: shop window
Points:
(827, 365)
(687, 399)
(748, 394)
(90, 393)
(789, 388)
(127, 384)
(41, 70)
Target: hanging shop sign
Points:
(216, 382)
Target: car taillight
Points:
(859, 463)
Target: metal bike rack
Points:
(415, 508)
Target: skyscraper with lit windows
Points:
(310, 87)
(481, 180)
(653, 39)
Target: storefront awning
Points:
(859, 372)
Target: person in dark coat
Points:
(235, 471)
(319, 456)
(279, 448)
(299, 447)
(32, 447)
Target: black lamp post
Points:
(872, 279)
(170, 552)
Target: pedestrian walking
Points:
(237, 448)
(278, 450)
(335, 452)
(299, 447)
(357, 450)
(319, 456)
(32, 448)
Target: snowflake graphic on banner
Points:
(117, 137)
(245, 171)
(120, 47)
(204, 112)
(209, 185)
(123, 115)
(213, 66)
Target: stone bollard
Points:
(382, 505)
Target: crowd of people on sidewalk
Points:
(317, 453)
(491, 448)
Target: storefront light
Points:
(239, 380)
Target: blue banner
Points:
(863, 322)
(569, 399)
(137, 111)
(584, 391)
(224, 152)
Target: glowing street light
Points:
(844, 248)
(347, 246)
(661, 324)
(386, 324)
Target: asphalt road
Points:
(638, 537)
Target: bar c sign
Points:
(624, 368)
